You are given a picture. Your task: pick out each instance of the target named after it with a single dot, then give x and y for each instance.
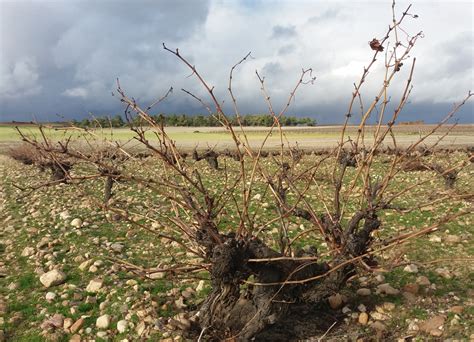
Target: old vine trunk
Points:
(240, 306)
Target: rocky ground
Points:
(67, 274)
(61, 278)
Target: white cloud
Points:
(19, 79)
(76, 92)
(353, 69)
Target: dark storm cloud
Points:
(63, 57)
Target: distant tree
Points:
(85, 123)
(117, 121)
(186, 120)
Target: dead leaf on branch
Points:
(375, 45)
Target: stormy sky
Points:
(61, 58)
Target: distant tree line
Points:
(185, 120)
(417, 122)
(104, 121)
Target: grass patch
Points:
(27, 281)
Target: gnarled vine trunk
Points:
(239, 308)
(109, 182)
(59, 170)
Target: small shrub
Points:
(25, 153)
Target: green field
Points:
(187, 138)
(8, 133)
